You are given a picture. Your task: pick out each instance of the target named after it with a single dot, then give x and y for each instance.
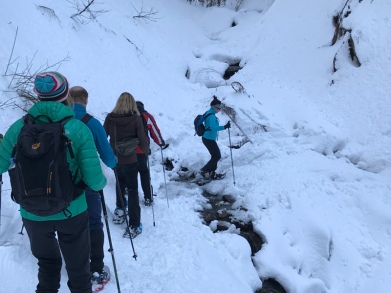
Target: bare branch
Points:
(84, 12)
(12, 51)
(8, 103)
(146, 16)
(22, 82)
(85, 8)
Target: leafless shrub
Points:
(6, 104)
(22, 82)
(149, 15)
(85, 13)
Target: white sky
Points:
(316, 185)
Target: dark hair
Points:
(215, 101)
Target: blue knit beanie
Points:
(51, 86)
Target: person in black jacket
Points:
(124, 122)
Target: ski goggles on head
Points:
(217, 106)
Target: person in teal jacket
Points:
(73, 238)
(212, 127)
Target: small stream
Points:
(220, 210)
(219, 215)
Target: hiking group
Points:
(52, 155)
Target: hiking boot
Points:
(101, 278)
(119, 216)
(148, 202)
(133, 232)
(217, 176)
(205, 174)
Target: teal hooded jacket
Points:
(83, 146)
(212, 125)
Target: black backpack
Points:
(199, 125)
(41, 180)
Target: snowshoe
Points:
(217, 176)
(133, 232)
(148, 202)
(119, 216)
(99, 280)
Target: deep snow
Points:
(316, 184)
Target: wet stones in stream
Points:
(220, 215)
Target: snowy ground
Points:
(316, 184)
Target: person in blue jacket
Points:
(212, 127)
(99, 272)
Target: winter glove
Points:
(163, 143)
(228, 125)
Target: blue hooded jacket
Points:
(212, 125)
(100, 137)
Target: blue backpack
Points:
(199, 125)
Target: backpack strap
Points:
(144, 122)
(30, 119)
(206, 116)
(87, 117)
(68, 141)
(145, 125)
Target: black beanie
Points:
(140, 106)
(215, 101)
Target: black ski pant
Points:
(74, 245)
(215, 154)
(142, 160)
(127, 177)
(94, 204)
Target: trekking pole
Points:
(164, 173)
(111, 249)
(151, 190)
(232, 161)
(124, 208)
(21, 230)
(240, 128)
